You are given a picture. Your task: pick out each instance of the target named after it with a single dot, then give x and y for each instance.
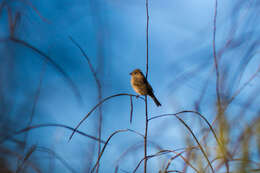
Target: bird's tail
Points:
(155, 100)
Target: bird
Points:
(141, 85)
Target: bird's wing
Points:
(148, 85)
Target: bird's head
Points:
(136, 73)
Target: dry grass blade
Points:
(116, 170)
(104, 147)
(65, 164)
(88, 60)
(20, 158)
(2, 6)
(172, 158)
(242, 160)
(10, 20)
(124, 171)
(189, 164)
(49, 125)
(36, 11)
(45, 150)
(99, 86)
(94, 108)
(176, 115)
(53, 64)
(35, 100)
(244, 85)
(37, 95)
(163, 152)
(133, 148)
(201, 149)
(137, 133)
(196, 113)
(27, 156)
(146, 158)
(151, 156)
(215, 54)
(16, 20)
(14, 24)
(180, 154)
(130, 149)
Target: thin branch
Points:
(145, 134)
(131, 109)
(147, 38)
(146, 76)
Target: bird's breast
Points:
(139, 86)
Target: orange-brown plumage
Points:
(141, 85)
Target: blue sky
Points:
(112, 33)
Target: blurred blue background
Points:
(113, 35)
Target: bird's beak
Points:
(130, 73)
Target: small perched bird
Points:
(141, 85)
